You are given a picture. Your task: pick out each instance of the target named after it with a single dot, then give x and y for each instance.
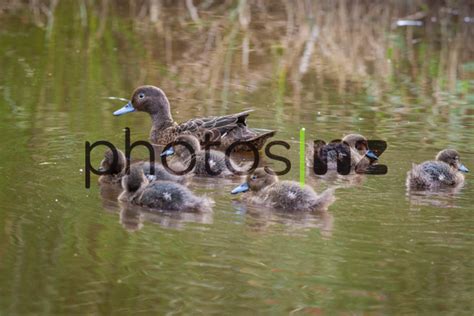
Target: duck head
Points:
(182, 147)
(148, 99)
(257, 180)
(109, 165)
(451, 157)
(360, 144)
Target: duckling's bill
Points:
(463, 168)
(371, 155)
(168, 152)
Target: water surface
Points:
(66, 249)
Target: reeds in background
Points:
(241, 44)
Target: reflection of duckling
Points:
(445, 171)
(161, 195)
(442, 198)
(286, 195)
(354, 146)
(116, 171)
(133, 218)
(260, 218)
(335, 180)
(216, 160)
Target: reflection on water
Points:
(445, 197)
(334, 179)
(259, 219)
(330, 66)
(132, 218)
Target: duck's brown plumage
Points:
(227, 129)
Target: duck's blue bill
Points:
(127, 108)
(168, 152)
(244, 187)
(371, 155)
(463, 168)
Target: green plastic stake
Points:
(302, 158)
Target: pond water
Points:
(65, 249)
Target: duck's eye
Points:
(141, 95)
(254, 177)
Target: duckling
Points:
(266, 189)
(216, 160)
(445, 171)
(116, 171)
(354, 146)
(228, 128)
(361, 155)
(160, 195)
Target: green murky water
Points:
(65, 249)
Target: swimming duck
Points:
(445, 171)
(354, 146)
(117, 171)
(183, 156)
(227, 129)
(160, 195)
(266, 189)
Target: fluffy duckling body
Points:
(227, 129)
(354, 146)
(266, 189)
(444, 172)
(160, 195)
(182, 155)
(117, 170)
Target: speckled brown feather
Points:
(226, 129)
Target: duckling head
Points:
(110, 165)
(360, 144)
(257, 180)
(451, 157)
(136, 179)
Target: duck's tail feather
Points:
(260, 140)
(245, 137)
(242, 117)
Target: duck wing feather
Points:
(221, 123)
